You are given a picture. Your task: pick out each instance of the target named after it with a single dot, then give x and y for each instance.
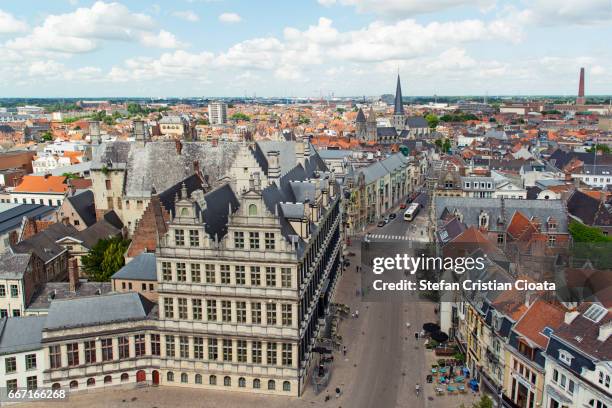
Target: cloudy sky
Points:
(64, 48)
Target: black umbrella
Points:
(431, 327)
(440, 337)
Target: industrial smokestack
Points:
(581, 100)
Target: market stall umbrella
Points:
(431, 327)
(439, 336)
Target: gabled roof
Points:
(416, 122)
(83, 204)
(13, 266)
(44, 243)
(11, 219)
(360, 116)
(540, 315)
(143, 267)
(220, 202)
(100, 230)
(20, 334)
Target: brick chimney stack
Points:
(581, 100)
(73, 275)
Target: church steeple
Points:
(399, 108)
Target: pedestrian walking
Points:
(344, 350)
(416, 336)
(356, 314)
(337, 392)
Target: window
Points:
(286, 277)
(182, 308)
(552, 240)
(91, 382)
(139, 345)
(211, 310)
(565, 357)
(11, 385)
(210, 273)
(256, 313)
(225, 274)
(252, 209)
(195, 273)
(270, 276)
(227, 381)
(184, 346)
(170, 350)
(2, 291)
(144, 287)
(570, 387)
(198, 378)
(184, 377)
(212, 380)
(287, 354)
(271, 385)
(257, 383)
(155, 345)
(10, 365)
(108, 379)
(597, 404)
(241, 382)
(30, 360)
(124, 347)
(241, 351)
(14, 291)
(108, 184)
(500, 238)
(238, 239)
(181, 272)
(74, 384)
(256, 352)
(179, 237)
(254, 240)
(73, 354)
(194, 238)
(227, 350)
(240, 275)
(555, 376)
(241, 312)
(198, 348)
(166, 271)
(269, 240)
(286, 386)
(170, 376)
(55, 357)
(271, 313)
(169, 308)
(196, 309)
(255, 276)
(213, 352)
(226, 311)
(271, 354)
(90, 351)
(287, 314)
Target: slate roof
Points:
(219, 203)
(416, 122)
(398, 108)
(20, 334)
(83, 204)
(90, 311)
(333, 154)
(168, 197)
(386, 131)
(589, 210)
(143, 267)
(11, 219)
(360, 116)
(373, 172)
(560, 158)
(43, 244)
(100, 230)
(51, 291)
(13, 266)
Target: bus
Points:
(412, 211)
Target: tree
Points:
(240, 116)
(46, 137)
(105, 258)
(584, 233)
(70, 176)
(340, 110)
(302, 120)
(600, 148)
(485, 402)
(203, 122)
(433, 120)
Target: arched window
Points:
(91, 382)
(241, 382)
(184, 377)
(170, 376)
(108, 379)
(184, 212)
(227, 381)
(74, 384)
(125, 377)
(252, 209)
(271, 385)
(257, 383)
(212, 380)
(56, 386)
(198, 379)
(286, 386)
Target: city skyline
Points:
(308, 49)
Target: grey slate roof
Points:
(470, 208)
(13, 266)
(373, 172)
(416, 122)
(100, 230)
(11, 219)
(360, 116)
(43, 244)
(333, 154)
(83, 204)
(20, 334)
(219, 203)
(386, 131)
(52, 291)
(398, 109)
(143, 267)
(89, 311)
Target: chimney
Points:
(196, 166)
(257, 181)
(274, 170)
(604, 332)
(581, 100)
(73, 275)
(570, 316)
(299, 150)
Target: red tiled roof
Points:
(540, 314)
(42, 184)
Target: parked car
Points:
(392, 216)
(402, 206)
(381, 223)
(386, 220)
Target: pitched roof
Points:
(44, 243)
(360, 116)
(398, 108)
(416, 122)
(83, 204)
(19, 334)
(540, 314)
(42, 184)
(102, 229)
(582, 334)
(13, 266)
(11, 219)
(143, 267)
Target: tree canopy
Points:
(433, 120)
(584, 233)
(458, 117)
(105, 258)
(240, 116)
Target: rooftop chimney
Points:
(179, 146)
(274, 170)
(581, 100)
(299, 150)
(73, 275)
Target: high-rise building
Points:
(581, 100)
(217, 113)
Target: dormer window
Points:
(604, 379)
(565, 357)
(483, 220)
(252, 209)
(467, 184)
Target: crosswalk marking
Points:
(390, 237)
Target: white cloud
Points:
(405, 8)
(597, 70)
(84, 29)
(230, 18)
(575, 12)
(176, 65)
(10, 24)
(187, 15)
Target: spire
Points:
(360, 116)
(399, 108)
(372, 115)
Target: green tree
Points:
(433, 120)
(600, 148)
(340, 110)
(70, 176)
(105, 258)
(46, 137)
(303, 120)
(485, 402)
(203, 122)
(584, 233)
(240, 116)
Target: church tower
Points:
(371, 134)
(399, 120)
(360, 126)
